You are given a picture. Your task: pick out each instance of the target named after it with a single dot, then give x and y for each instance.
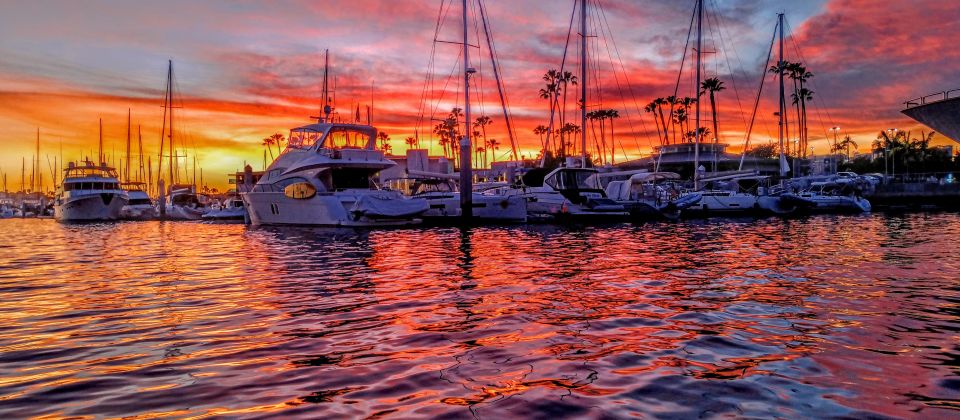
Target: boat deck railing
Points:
(933, 97)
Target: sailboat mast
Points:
(782, 103)
(38, 171)
(583, 83)
(126, 174)
(140, 174)
(466, 168)
(696, 146)
(325, 116)
(169, 105)
(100, 150)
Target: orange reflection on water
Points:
(770, 316)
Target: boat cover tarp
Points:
(389, 207)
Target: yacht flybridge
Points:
(89, 192)
(325, 177)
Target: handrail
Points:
(923, 99)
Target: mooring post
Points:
(162, 203)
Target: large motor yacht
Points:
(325, 177)
(89, 192)
(139, 205)
(566, 194)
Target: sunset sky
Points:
(249, 69)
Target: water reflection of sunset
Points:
(166, 319)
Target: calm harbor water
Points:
(853, 316)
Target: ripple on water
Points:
(815, 317)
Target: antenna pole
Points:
(325, 112)
(466, 168)
(583, 83)
(696, 146)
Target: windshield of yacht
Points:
(303, 138)
(573, 179)
(348, 138)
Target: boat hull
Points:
(175, 212)
(89, 208)
(360, 208)
(138, 212)
(489, 208)
(828, 203)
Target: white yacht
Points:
(444, 200)
(89, 193)
(325, 177)
(829, 197)
(139, 205)
(230, 210)
(651, 195)
(566, 194)
(185, 204)
(743, 195)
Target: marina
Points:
(479, 209)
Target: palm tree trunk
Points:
(663, 123)
(613, 145)
(716, 129)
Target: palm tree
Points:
(600, 144)
(801, 75)
(411, 142)
(612, 114)
(550, 92)
(278, 140)
(652, 108)
(672, 100)
(800, 98)
(482, 122)
(540, 130)
(564, 79)
(492, 146)
(385, 145)
(781, 68)
(713, 85)
(267, 142)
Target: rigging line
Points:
(553, 109)
(756, 104)
(813, 83)
(733, 46)
(676, 88)
(478, 87)
(430, 69)
(616, 77)
(495, 61)
(626, 78)
(733, 79)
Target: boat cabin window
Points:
(303, 138)
(433, 185)
(572, 180)
(348, 138)
(86, 186)
(348, 178)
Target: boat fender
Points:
(504, 204)
(564, 209)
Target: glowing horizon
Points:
(246, 71)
